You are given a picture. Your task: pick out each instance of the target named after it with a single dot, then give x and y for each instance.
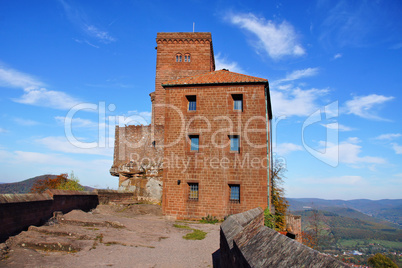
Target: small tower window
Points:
(192, 102)
(187, 58)
(235, 193)
(234, 143)
(237, 102)
(178, 57)
(194, 142)
(193, 193)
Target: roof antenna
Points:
(193, 26)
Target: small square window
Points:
(193, 194)
(194, 140)
(234, 143)
(237, 102)
(235, 193)
(192, 102)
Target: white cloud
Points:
(363, 105)
(35, 94)
(397, 148)
(100, 35)
(339, 127)
(224, 63)
(48, 98)
(3, 130)
(16, 79)
(337, 56)
(389, 136)
(278, 40)
(286, 148)
(79, 122)
(295, 101)
(349, 152)
(78, 17)
(298, 74)
(62, 144)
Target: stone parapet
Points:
(246, 242)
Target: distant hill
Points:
(386, 211)
(25, 186)
(343, 227)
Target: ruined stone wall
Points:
(138, 160)
(19, 211)
(112, 196)
(214, 167)
(293, 225)
(197, 45)
(246, 242)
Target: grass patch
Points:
(209, 219)
(182, 226)
(195, 235)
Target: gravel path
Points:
(113, 236)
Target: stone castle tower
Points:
(179, 55)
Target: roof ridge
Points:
(223, 76)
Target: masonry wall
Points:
(214, 167)
(197, 45)
(19, 211)
(293, 225)
(138, 160)
(246, 242)
(112, 196)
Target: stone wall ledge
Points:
(246, 242)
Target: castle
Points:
(207, 150)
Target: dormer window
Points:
(178, 57)
(187, 58)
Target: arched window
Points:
(178, 57)
(187, 57)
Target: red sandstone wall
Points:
(205, 166)
(198, 45)
(134, 143)
(113, 196)
(19, 211)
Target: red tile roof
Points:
(216, 77)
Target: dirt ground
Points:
(112, 236)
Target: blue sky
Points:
(334, 69)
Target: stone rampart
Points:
(112, 196)
(19, 211)
(246, 242)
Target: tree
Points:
(279, 202)
(71, 184)
(61, 182)
(314, 228)
(380, 260)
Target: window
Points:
(178, 57)
(194, 140)
(234, 143)
(192, 102)
(237, 102)
(235, 193)
(193, 195)
(187, 58)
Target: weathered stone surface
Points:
(246, 242)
